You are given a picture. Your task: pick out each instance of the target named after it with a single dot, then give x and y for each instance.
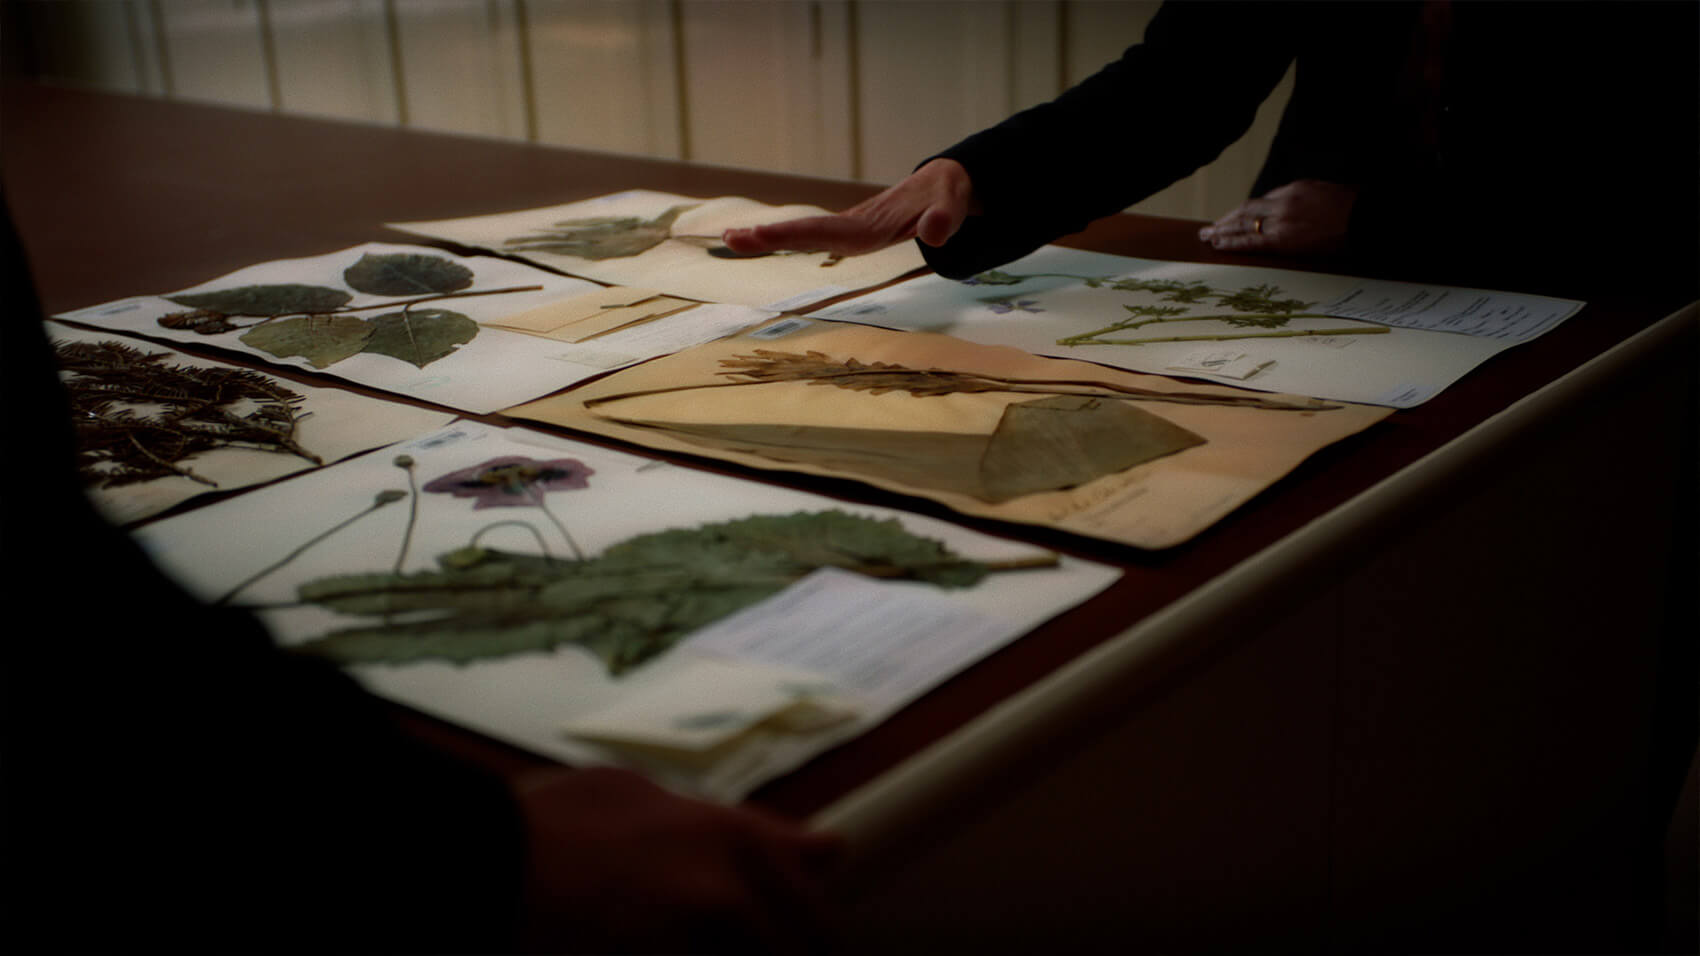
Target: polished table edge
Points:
(877, 815)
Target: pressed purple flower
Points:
(1006, 307)
(513, 481)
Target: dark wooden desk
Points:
(1421, 692)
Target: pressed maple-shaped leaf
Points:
(601, 237)
(406, 273)
(323, 340)
(285, 298)
(419, 336)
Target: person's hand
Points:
(617, 864)
(930, 205)
(1304, 217)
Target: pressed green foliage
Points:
(420, 336)
(602, 237)
(406, 273)
(1069, 440)
(279, 299)
(628, 605)
(1253, 307)
(322, 340)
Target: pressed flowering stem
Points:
(382, 498)
(541, 543)
(405, 463)
(537, 498)
(1285, 334)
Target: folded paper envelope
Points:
(595, 313)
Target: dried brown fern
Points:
(138, 418)
(817, 368)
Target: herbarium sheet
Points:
(672, 244)
(412, 320)
(156, 427)
(1328, 336)
(601, 607)
(985, 430)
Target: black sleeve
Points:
(1568, 158)
(172, 779)
(1168, 106)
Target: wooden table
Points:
(1427, 691)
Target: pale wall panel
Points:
(461, 66)
(605, 75)
(767, 84)
(929, 73)
(1037, 60)
(214, 51)
(333, 59)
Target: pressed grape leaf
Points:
(279, 299)
(406, 273)
(602, 237)
(421, 336)
(322, 340)
(628, 605)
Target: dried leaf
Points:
(627, 606)
(1048, 444)
(406, 274)
(601, 237)
(322, 340)
(421, 336)
(1069, 440)
(199, 321)
(266, 300)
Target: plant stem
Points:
(404, 303)
(1285, 334)
(537, 497)
(377, 503)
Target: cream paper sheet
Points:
(496, 368)
(684, 266)
(1157, 504)
(716, 721)
(1377, 342)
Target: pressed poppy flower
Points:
(513, 481)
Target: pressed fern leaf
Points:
(816, 368)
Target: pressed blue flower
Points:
(1006, 307)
